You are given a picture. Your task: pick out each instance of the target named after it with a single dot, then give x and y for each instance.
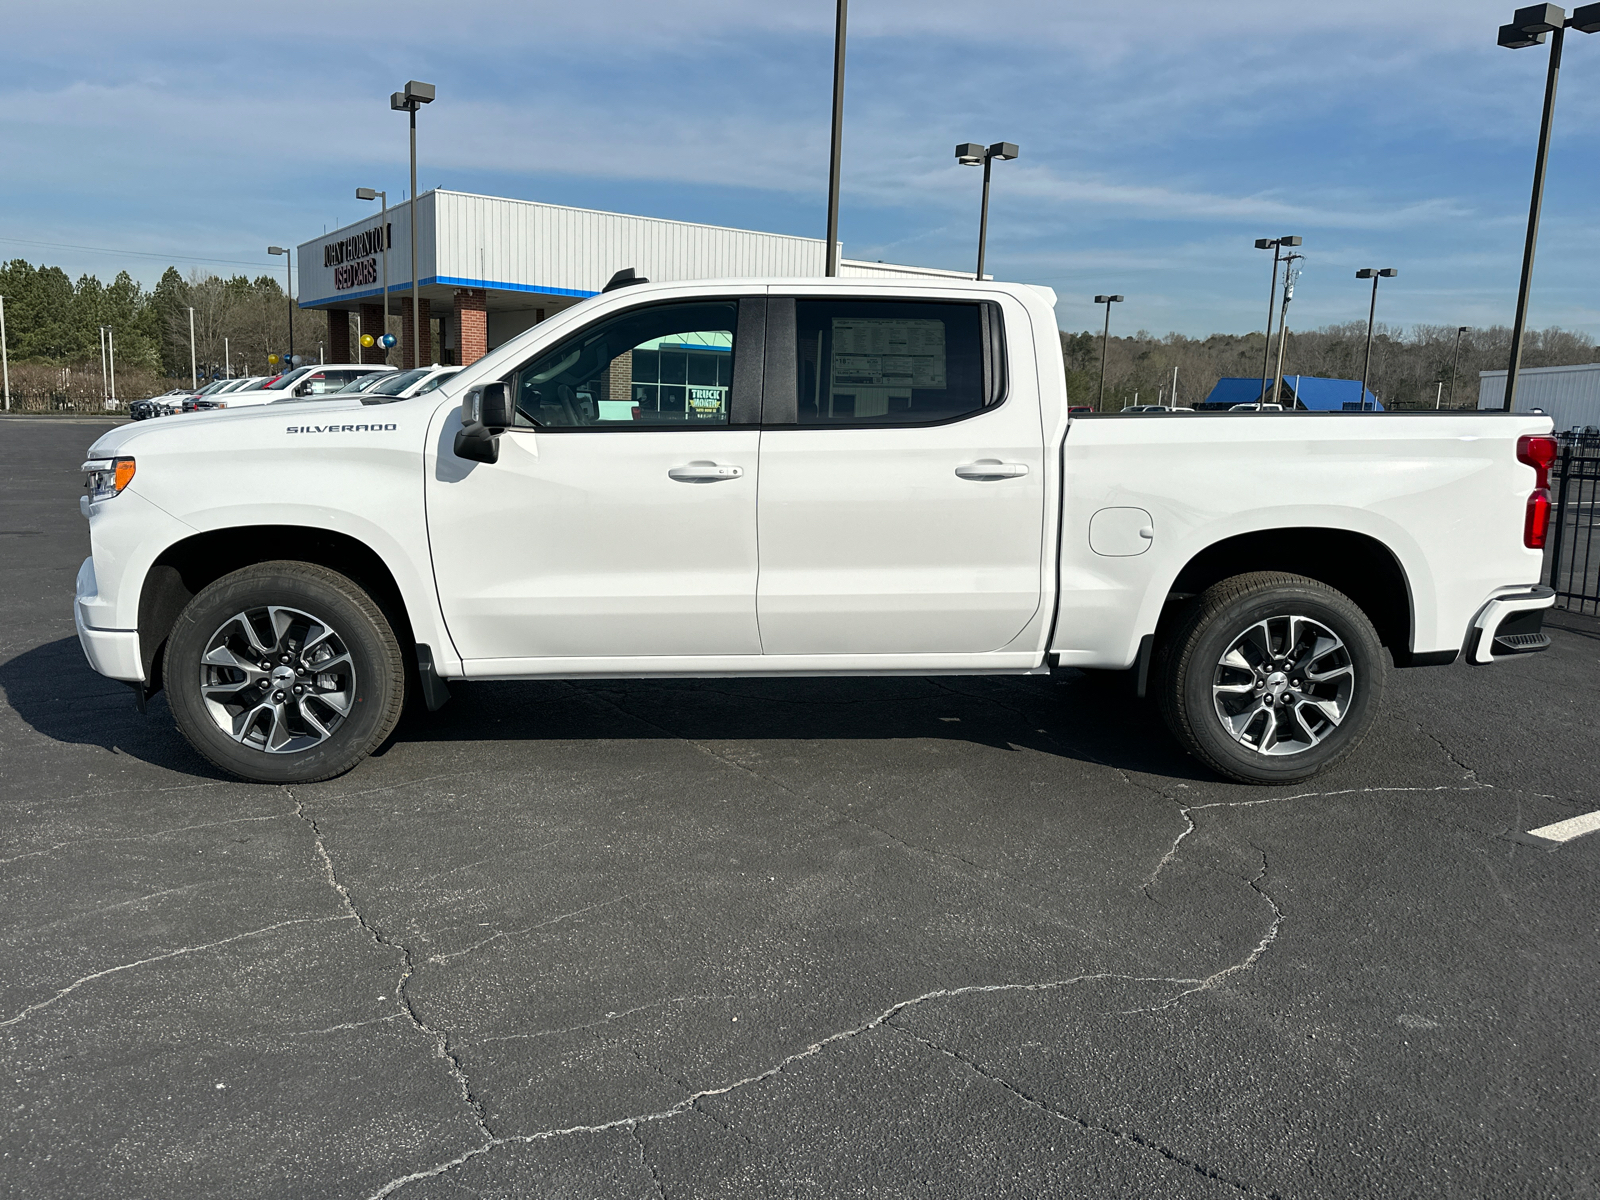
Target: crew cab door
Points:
(902, 478)
(620, 519)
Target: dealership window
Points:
(667, 364)
(877, 362)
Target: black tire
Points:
(373, 697)
(1229, 617)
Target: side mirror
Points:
(486, 413)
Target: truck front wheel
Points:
(1271, 677)
(284, 672)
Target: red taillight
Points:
(1538, 452)
(1537, 522)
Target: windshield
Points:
(365, 384)
(436, 381)
(393, 385)
(285, 380)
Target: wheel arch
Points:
(1357, 564)
(186, 567)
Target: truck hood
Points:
(234, 428)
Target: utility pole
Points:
(840, 21)
(1276, 246)
(1174, 387)
(1289, 273)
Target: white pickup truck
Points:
(800, 477)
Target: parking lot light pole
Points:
(408, 100)
(1105, 340)
(194, 372)
(841, 22)
(288, 262)
(1276, 245)
(1374, 274)
(383, 243)
(105, 392)
(111, 351)
(227, 360)
(970, 154)
(1454, 359)
(1529, 27)
(5, 357)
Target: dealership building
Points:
(489, 268)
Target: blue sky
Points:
(1158, 140)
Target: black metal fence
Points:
(1574, 555)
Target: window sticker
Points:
(879, 359)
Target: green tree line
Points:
(1408, 364)
(53, 321)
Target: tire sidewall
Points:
(1215, 635)
(368, 645)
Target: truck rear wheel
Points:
(1272, 677)
(284, 672)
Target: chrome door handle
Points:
(989, 468)
(704, 472)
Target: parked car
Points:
(289, 573)
(1256, 408)
(1156, 408)
(403, 384)
(218, 398)
(321, 380)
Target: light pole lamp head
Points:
(1539, 18)
(1513, 38)
(1004, 151)
(1266, 243)
(412, 97)
(1290, 241)
(969, 154)
(1586, 19)
(1388, 272)
(366, 194)
(1463, 328)
(1365, 273)
(276, 250)
(1108, 299)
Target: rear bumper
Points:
(112, 652)
(1511, 623)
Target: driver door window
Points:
(663, 365)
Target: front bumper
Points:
(1511, 623)
(112, 652)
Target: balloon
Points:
(368, 341)
(388, 340)
(272, 359)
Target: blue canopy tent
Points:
(1309, 392)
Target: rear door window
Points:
(889, 362)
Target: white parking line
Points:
(1565, 831)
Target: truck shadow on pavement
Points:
(1073, 716)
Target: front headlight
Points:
(107, 477)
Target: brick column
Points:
(472, 326)
(338, 335)
(410, 346)
(372, 322)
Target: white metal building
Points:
(490, 267)
(1570, 395)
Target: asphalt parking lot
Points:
(903, 937)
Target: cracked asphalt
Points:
(871, 937)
